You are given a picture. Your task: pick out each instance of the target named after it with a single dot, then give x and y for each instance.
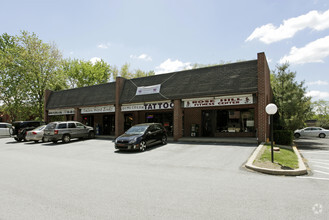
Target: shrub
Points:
(283, 137)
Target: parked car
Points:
(20, 128)
(311, 132)
(5, 129)
(141, 136)
(67, 130)
(36, 134)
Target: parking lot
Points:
(316, 153)
(89, 179)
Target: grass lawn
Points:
(284, 157)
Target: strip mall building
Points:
(220, 101)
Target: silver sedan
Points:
(36, 134)
(311, 132)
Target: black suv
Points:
(20, 128)
(140, 136)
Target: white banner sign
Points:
(145, 90)
(98, 109)
(218, 101)
(148, 106)
(68, 111)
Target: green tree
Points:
(40, 65)
(140, 73)
(81, 73)
(294, 107)
(321, 113)
(125, 72)
(12, 77)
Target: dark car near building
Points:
(67, 130)
(141, 136)
(20, 128)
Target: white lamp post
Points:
(271, 109)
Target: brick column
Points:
(77, 115)
(264, 97)
(119, 116)
(46, 99)
(178, 120)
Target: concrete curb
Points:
(300, 171)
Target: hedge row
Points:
(283, 137)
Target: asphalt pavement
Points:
(316, 154)
(91, 180)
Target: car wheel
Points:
(164, 140)
(66, 138)
(297, 135)
(91, 135)
(322, 135)
(142, 146)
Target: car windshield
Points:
(40, 128)
(137, 130)
(51, 126)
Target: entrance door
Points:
(208, 123)
(108, 124)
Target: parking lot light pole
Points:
(271, 109)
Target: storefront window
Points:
(241, 120)
(128, 121)
(166, 119)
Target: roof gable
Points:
(236, 78)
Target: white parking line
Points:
(318, 171)
(315, 152)
(309, 177)
(321, 167)
(320, 162)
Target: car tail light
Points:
(55, 131)
(34, 132)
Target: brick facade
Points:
(178, 120)
(184, 118)
(119, 116)
(264, 97)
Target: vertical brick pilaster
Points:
(46, 98)
(77, 115)
(178, 120)
(264, 97)
(119, 116)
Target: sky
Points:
(170, 35)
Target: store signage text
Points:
(61, 112)
(98, 109)
(218, 101)
(145, 90)
(148, 106)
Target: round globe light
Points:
(271, 109)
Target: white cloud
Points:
(313, 52)
(269, 33)
(104, 46)
(318, 83)
(143, 56)
(318, 94)
(172, 66)
(95, 60)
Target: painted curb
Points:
(297, 172)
